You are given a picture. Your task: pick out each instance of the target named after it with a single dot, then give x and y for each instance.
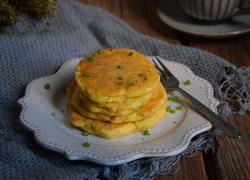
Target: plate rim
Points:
(182, 145)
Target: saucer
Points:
(172, 14)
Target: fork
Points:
(169, 81)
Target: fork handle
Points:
(219, 122)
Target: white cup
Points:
(213, 9)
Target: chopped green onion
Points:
(130, 53)
(169, 91)
(141, 74)
(85, 133)
(168, 108)
(172, 111)
(174, 98)
(120, 77)
(145, 133)
(119, 67)
(53, 114)
(87, 74)
(187, 82)
(179, 108)
(47, 86)
(86, 144)
(90, 59)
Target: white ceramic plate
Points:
(171, 13)
(45, 114)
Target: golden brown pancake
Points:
(157, 99)
(112, 109)
(113, 75)
(129, 106)
(70, 89)
(116, 92)
(110, 130)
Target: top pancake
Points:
(113, 75)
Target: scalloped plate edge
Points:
(76, 156)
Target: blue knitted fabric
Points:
(33, 48)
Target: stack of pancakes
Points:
(116, 92)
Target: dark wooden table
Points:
(231, 159)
